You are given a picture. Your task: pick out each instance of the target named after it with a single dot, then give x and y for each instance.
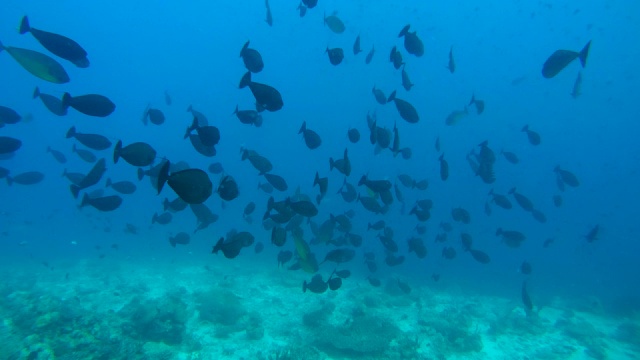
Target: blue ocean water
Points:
(77, 285)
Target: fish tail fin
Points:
(85, 200)
(163, 176)
(404, 30)
(116, 152)
(245, 80)
(140, 174)
(244, 47)
(236, 110)
(66, 98)
(24, 25)
(9, 180)
(584, 53)
(75, 190)
(331, 164)
(109, 183)
(36, 92)
(1, 46)
(303, 128)
(190, 108)
(154, 218)
(392, 96)
(525, 128)
(71, 132)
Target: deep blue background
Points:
(140, 49)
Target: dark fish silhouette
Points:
(38, 64)
(52, 103)
(266, 96)
(9, 145)
(192, 185)
(90, 104)
(104, 203)
(561, 58)
(92, 178)
(92, 141)
(25, 178)
(356, 46)
(251, 58)
(412, 42)
(336, 55)
(181, 238)
(137, 154)
(405, 109)
(59, 45)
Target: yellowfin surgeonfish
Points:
(38, 64)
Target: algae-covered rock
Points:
(158, 320)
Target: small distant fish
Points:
(577, 86)
(162, 219)
(84, 154)
(356, 46)
(444, 168)
(455, 116)
(353, 135)
(557, 200)
(510, 157)
(311, 138)
(59, 156)
(525, 268)
(181, 238)
(406, 82)
(336, 55)
(395, 57)
(269, 18)
(104, 203)
(334, 23)
(548, 242)
(567, 177)
(452, 64)
(25, 178)
(592, 235)
(369, 57)
(534, 137)
(302, 9)
(167, 98)
(479, 104)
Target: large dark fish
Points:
(192, 185)
(52, 103)
(38, 64)
(534, 137)
(92, 141)
(59, 45)
(525, 203)
(91, 104)
(155, 116)
(137, 154)
(266, 96)
(561, 58)
(412, 42)
(567, 177)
